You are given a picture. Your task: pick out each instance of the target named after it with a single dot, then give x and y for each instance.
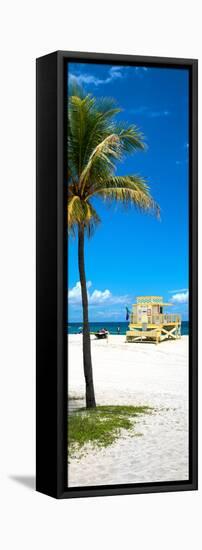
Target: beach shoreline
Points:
(134, 374)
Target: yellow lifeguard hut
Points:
(149, 322)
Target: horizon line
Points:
(81, 322)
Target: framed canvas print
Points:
(116, 274)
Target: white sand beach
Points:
(135, 374)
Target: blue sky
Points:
(134, 254)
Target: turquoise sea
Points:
(75, 328)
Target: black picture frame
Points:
(51, 276)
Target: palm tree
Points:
(95, 143)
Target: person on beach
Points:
(118, 330)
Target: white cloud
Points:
(140, 71)
(178, 290)
(113, 73)
(96, 297)
(180, 297)
(74, 294)
(116, 72)
(157, 114)
(144, 110)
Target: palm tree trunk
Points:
(87, 362)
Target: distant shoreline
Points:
(112, 327)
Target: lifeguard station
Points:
(148, 322)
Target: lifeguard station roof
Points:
(151, 300)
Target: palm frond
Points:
(105, 151)
(81, 212)
(96, 142)
(74, 211)
(79, 111)
(127, 190)
(131, 138)
(89, 123)
(93, 220)
(107, 107)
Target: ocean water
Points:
(75, 328)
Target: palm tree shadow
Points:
(27, 481)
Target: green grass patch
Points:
(101, 426)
